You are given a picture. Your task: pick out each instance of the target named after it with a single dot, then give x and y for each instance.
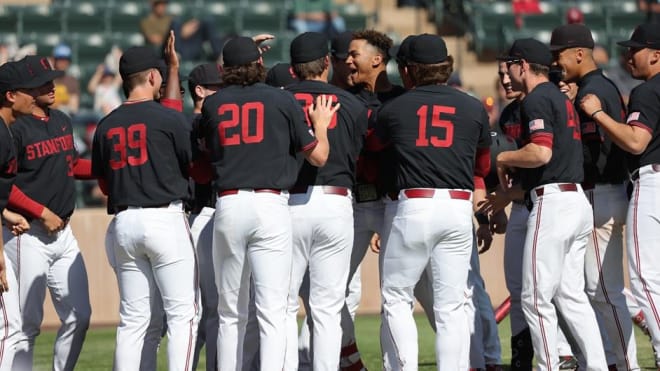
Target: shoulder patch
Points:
(536, 125)
(633, 116)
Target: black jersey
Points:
(346, 134)
(435, 131)
(509, 122)
(46, 157)
(8, 164)
(604, 161)
(142, 150)
(549, 119)
(644, 111)
(203, 194)
(254, 134)
(499, 143)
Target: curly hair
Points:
(245, 75)
(376, 39)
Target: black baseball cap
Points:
(41, 69)
(308, 46)
(137, 59)
(206, 74)
(427, 49)
(23, 75)
(281, 75)
(239, 51)
(402, 51)
(531, 50)
(646, 35)
(571, 36)
(340, 44)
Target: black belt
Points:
(540, 191)
(635, 174)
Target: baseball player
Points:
(253, 132)
(551, 170)
(142, 152)
(203, 81)
(16, 84)
(430, 125)
(321, 207)
(46, 257)
(604, 173)
(640, 138)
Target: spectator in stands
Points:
(67, 87)
(522, 7)
(190, 34)
(104, 85)
(316, 16)
(574, 16)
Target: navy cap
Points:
(206, 74)
(239, 51)
(17, 75)
(138, 59)
(308, 46)
(402, 52)
(427, 49)
(646, 35)
(340, 44)
(571, 36)
(281, 75)
(41, 69)
(531, 50)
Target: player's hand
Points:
(484, 238)
(503, 175)
(590, 104)
(495, 202)
(260, 38)
(374, 244)
(4, 285)
(498, 222)
(171, 58)
(321, 112)
(15, 222)
(52, 222)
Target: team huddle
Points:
(281, 181)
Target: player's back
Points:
(435, 131)
(143, 151)
(253, 134)
(346, 134)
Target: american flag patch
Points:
(536, 125)
(633, 117)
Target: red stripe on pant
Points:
(536, 307)
(6, 322)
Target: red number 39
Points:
(133, 139)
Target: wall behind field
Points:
(89, 226)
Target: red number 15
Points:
(423, 140)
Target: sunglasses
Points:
(512, 62)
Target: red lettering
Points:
(124, 139)
(29, 149)
(250, 116)
(423, 140)
(232, 110)
(307, 100)
(572, 120)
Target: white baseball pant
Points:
(149, 356)
(201, 228)
(559, 226)
(514, 242)
(322, 242)
(50, 261)
(604, 282)
(642, 240)
(154, 254)
(438, 231)
(10, 319)
(252, 237)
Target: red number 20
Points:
(241, 115)
(423, 140)
(132, 138)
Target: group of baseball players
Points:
(221, 223)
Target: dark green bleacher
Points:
(492, 25)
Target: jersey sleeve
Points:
(98, 167)
(539, 117)
(644, 111)
(302, 135)
(181, 137)
(485, 139)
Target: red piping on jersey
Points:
(82, 169)
(175, 104)
(482, 162)
(641, 125)
(23, 204)
(542, 139)
(41, 118)
(309, 146)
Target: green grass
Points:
(99, 346)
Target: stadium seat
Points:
(488, 23)
(223, 15)
(126, 17)
(45, 42)
(622, 17)
(86, 17)
(9, 18)
(354, 16)
(92, 48)
(262, 16)
(41, 19)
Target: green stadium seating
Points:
(126, 17)
(262, 16)
(223, 15)
(86, 17)
(41, 19)
(45, 42)
(487, 28)
(9, 19)
(354, 16)
(92, 48)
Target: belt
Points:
(564, 187)
(119, 209)
(429, 193)
(228, 192)
(329, 190)
(635, 174)
(588, 186)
